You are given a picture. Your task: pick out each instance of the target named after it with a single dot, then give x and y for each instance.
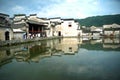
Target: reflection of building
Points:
(39, 51)
(111, 43)
(21, 53)
(57, 47)
(6, 32)
(5, 57)
(40, 56)
(68, 45)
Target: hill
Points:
(99, 20)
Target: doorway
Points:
(7, 35)
(59, 33)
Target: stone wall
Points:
(15, 42)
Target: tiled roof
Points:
(15, 26)
(18, 30)
(2, 14)
(35, 22)
(3, 26)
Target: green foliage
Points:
(99, 21)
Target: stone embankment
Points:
(15, 42)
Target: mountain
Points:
(99, 21)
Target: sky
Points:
(60, 8)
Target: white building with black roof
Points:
(6, 32)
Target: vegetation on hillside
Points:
(99, 21)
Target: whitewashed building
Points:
(20, 27)
(96, 31)
(55, 25)
(70, 28)
(112, 30)
(64, 27)
(6, 32)
(37, 26)
(19, 34)
(29, 26)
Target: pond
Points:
(62, 59)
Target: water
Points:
(62, 59)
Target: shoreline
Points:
(24, 41)
(16, 42)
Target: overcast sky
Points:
(60, 8)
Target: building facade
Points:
(6, 32)
(65, 27)
(112, 30)
(37, 26)
(70, 28)
(20, 27)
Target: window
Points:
(70, 49)
(69, 24)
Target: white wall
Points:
(69, 31)
(2, 33)
(18, 36)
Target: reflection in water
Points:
(111, 43)
(69, 46)
(72, 62)
(5, 57)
